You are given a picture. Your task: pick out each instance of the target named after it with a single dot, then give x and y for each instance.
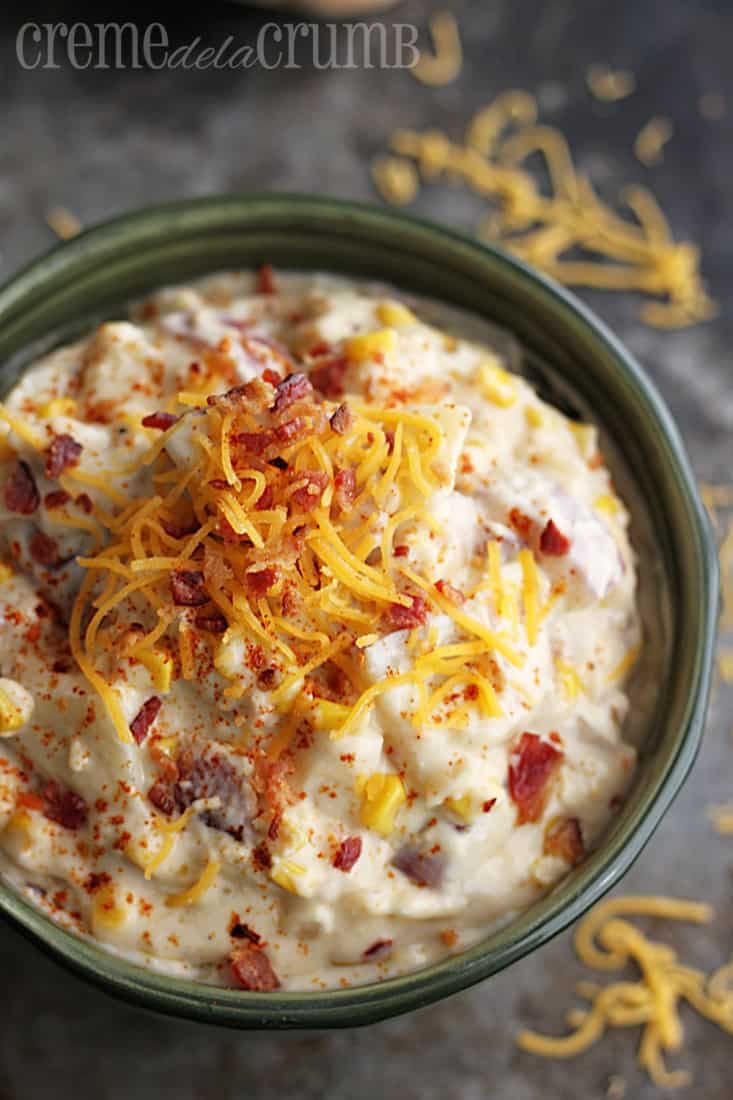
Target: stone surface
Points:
(100, 142)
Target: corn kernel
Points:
(497, 384)
(16, 706)
(606, 503)
(534, 416)
(106, 913)
(19, 829)
(59, 406)
(462, 807)
(585, 437)
(330, 716)
(160, 667)
(371, 344)
(382, 795)
(284, 874)
(395, 314)
(6, 572)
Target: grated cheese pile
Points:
(548, 228)
(606, 941)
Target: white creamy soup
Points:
(316, 624)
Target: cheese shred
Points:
(606, 940)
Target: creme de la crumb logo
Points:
(286, 45)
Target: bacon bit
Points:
(296, 387)
(96, 880)
(328, 376)
(262, 580)
(265, 282)
(63, 452)
(144, 718)
(552, 541)
(45, 550)
(450, 592)
(212, 775)
(564, 839)
(63, 806)
(378, 950)
(268, 679)
(187, 588)
(179, 530)
(321, 348)
(308, 496)
(85, 502)
(344, 488)
(397, 617)
(213, 622)
(422, 868)
(342, 419)
(290, 430)
(401, 551)
(267, 497)
(488, 805)
(521, 523)
(20, 492)
(57, 499)
(261, 857)
(532, 764)
(161, 796)
(271, 376)
(251, 969)
(347, 854)
(161, 420)
(240, 931)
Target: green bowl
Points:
(570, 352)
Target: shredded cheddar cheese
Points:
(606, 941)
(195, 892)
(651, 139)
(548, 229)
(444, 65)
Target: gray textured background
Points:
(102, 142)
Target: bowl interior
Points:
(573, 357)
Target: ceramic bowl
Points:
(569, 352)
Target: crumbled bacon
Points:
(521, 523)
(450, 592)
(45, 550)
(265, 282)
(552, 541)
(187, 588)
(63, 452)
(348, 852)
(160, 420)
(162, 797)
(397, 617)
(20, 492)
(271, 376)
(422, 868)
(212, 775)
(84, 502)
(262, 580)
(344, 487)
(401, 551)
(64, 806)
(178, 530)
(342, 419)
(564, 839)
(56, 499)
(328, 375)
(296, 387)
(308, 496)
(251, 969)
(532, 765)
(238, 930)
(212, 621)
(144, 718)
(321, 347)
(378, 950)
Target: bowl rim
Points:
(374, 1001)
